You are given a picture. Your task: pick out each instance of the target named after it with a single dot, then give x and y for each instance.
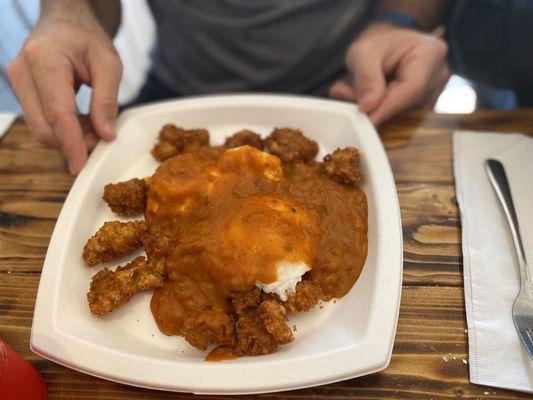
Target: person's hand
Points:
(67, 48)
(394, 69)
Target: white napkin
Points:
(6, 120)
(491, 278)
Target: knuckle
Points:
(442, 48)
(44, 137)
(116, 63)
(105, 104)
(106, 100)
(355, 50)
(33, 50)
(13, 69)
(111, 59)
(53, 114)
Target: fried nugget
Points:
(273, 315)
(341, 165)
(164, 150)
(126, 198)
(246, 302)
(114, 239)
(209, 326)
(174, 140)
(157, 247)
(110, 289)
(244, 137)
(304, 298)
(253, 338)
(291, 146)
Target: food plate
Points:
(350, 337)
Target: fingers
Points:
(105, 79)
(366, 65)
(417, 74)
(342, 90)
(398, 97)
(91, 140)
(26, 91)
(55, 84)
(89, 136)
(24, 87)
(442, 80)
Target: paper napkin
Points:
(491, 278)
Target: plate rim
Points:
(44, 322)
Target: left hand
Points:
(395, 69)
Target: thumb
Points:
(366, 67)
(106, 72)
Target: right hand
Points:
(395, 69)
(65, 50)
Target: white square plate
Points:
(351, 337)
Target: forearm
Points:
(428, 14)
(107, 12)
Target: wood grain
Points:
(431, 342)
(430, 347)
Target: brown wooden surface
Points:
(431, 340)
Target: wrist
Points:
(427, 14)
(57, 13)
(64, 7)
(380, 27)
(396, 18)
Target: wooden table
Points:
(431, 348)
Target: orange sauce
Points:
(221, 353)
(230, 217)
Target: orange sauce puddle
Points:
(221, 353)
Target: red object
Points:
(18, 379)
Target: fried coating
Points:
(126, 198)
(341, 166)
(304, 298)
(164, 150)
(209, 326)
(246, 302)
(291, 146)
(174, 140)
(253, 338)
(114, 239)
(244, 137)
(156, 247)
(273, 315)
(110, 289)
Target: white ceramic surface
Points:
(352, 337)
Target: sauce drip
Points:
(221, 353)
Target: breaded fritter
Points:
(126, 198)
(174, 140)
(341, 165)
(212, 326)
(114, 239)
(304, 298)
(156, 247)
(246, 302)
(273, 315)
(244, 137)
(110, 289)
(253, 338)
(164, 150)
(291, 146)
